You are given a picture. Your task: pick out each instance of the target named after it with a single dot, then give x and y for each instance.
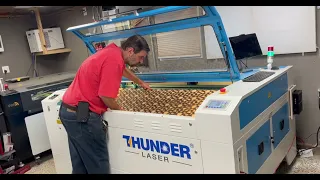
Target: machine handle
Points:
(260, 148)
(291, 89)
(282, 124)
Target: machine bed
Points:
(180, 102)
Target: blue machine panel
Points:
(258, 148)
(280, 124)
(257, 102)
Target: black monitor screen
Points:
(245, 46)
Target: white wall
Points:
(290, 29)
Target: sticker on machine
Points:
(160, 150)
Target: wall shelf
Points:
(42, 40)
(56, 51)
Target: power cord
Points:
(310, 136)
(55, 39)
(5, 74)
(317, 137)
(317, 144)
(33, 57)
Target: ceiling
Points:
(25, 10)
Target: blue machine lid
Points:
(211, 18)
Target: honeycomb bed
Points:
(180, 102)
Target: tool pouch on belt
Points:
(105, 125)
(83, 112)
(105, 128)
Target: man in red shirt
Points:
(96, 85)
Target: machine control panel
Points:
(217, 104)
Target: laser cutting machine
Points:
(245, 127)
(22, 113)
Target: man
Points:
(96, 85)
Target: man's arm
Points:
(110, 79)
(111, 103)
(131, 76)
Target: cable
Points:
(30, 65)
(33, 59)
(310, 136)
(5, 75)
(300, 139)
(55, 39)
(29, 69)
(243, 64)
(35, 65)
(317, 144)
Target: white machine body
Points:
(248, 129)
(57, 134)
(52, 36)
(269, 61)
(38, 134)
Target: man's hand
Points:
(131, 76)
(145, 86)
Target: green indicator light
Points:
(270, 53)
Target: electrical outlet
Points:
(5, 68)
(84, 11)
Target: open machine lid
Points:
(116, 28)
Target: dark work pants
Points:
(87, 143)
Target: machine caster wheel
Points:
(20, 165)
(37, 160)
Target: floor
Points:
(46, 166)
(300, 166)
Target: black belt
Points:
(73, 108)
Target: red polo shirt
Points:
(99, 75)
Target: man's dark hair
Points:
(137, 42)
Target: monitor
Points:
(245, 46)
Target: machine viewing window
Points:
(145, 21)
(179, 44)
(182, 50)
(186, 48)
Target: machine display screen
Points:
(217, 104)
